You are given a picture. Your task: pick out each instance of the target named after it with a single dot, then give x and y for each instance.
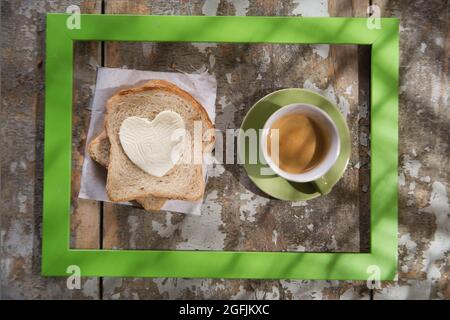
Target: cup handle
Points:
(322, 185)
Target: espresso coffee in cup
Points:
(300, 142)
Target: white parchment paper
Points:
(202, 87)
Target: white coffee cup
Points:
(322, 119)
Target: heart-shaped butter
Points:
(154, 146)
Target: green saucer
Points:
(272, 184)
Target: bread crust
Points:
(171, 88)
(151, 203)
(92, 148)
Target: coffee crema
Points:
(302, 143)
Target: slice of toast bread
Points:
(125, 180)
(98, 149)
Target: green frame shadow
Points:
(56, 252)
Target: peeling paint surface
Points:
(210, 7)
(249, 204)
(165, 229)
(412, 167)
(412, 290)
(240, 6)
(204, 231)
(225, 119)
(329, 92)
(322, 50)
(440, 244)
(311, 8)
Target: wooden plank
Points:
(22, 158)
(85, 218)
(424, 213)
(349, 69)
(351, 81)
(253, 222)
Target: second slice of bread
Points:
(99, 151)
(125, 180)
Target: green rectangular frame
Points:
(56, 252)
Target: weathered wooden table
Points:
(235, 215)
